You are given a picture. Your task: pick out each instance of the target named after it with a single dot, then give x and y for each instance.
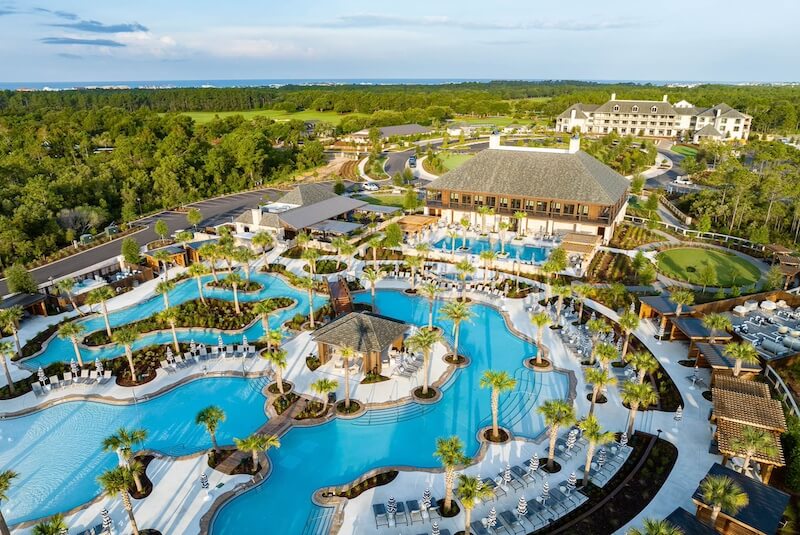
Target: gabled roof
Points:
(363, 332)
(404, 130)
(708, 131)
(724, 110)
(688, 523)
(307, 194)
(305, 216)
(765, 504)
(581, 110)
(626, 106)
(22, 300)
(742, 386)
(662, 304)
(267, 219)
(549, 175)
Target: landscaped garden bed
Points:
(225, 284)
(147, 485)
(35, 344)
(297, 252)
(377, 480)
(327, 266)
(611, 267)
(319, 286)
(282, 403)
(629, 237)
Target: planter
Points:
(545, 366)
(554, 470)
(434, 394)
(459, 361)
(504, 436)
(601, 399)
(272, 388)
(453, 511)
(356, 409)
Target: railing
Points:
(685, 219)
(713, 236)
(786, 396)
(499, 210)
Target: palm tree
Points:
(597, 326)
(55, 525)
(464, 222)
(65, 286)
(210, 418)
(520, 216)
(753, 440)
(264, 309)
(375, 242)
(163, 288)
(244, 255)
(323, 387)
(450, 452)
(483, 211)
(741, 353)
(644, 363)
(101, 295)
(302, 239)
(256, 443)
(311, 256)
(471, 491)
(117, 481)
(9, 320)
(197, 271)
(211, 252)
(581, 292)
(162, 257)
(6, 477)
(7, 351)
(414, 262)
(170, 317)
(606, 353)
(722, 493)
(503, 227)
(499, 382)
(277, 357)
(488, 256)
(123, 442)
(235, 281)
(453, 236)
(263, 240)
(540, 320)
(600, 379)
(74, 332)
(423, 250)
(628, 322)
(372, 276)
(716, 322)
(457, 312)
(423, 340)
(681, 298)
(560, 291)
(307, 283)
(557, 413)
(464, 269)
(431, 291)
(126, 337)
(346, 353)
(273, 338)
(655, 527)
(636, 396)
(593, 433)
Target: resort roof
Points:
(694, 328)
(661, 304)
(708, 131)
(765, 504)
(305, 216)
(644, 106)
(548, 175)
(198, 244)
(415, 223)
(307, 194)
(364, 332)
(171, 249)
(741, 386)
(688, 523)
(749, 410)
(581, 237)
(22, 300)
(580, 110)
(724, 111)
(334, 226)
(728, 432)
(717, 359)
(380, 209)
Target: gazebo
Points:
(713, 356)
(369, 335)
(414, 224)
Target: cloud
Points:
(67, 55)
(79, 41)
(66, 15)
(368, 20)
(93, 26)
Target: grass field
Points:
(686, 264)
(452, 160)
(278, 115)
(685, 150)
(385, 199)
(502, 120)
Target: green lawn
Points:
(686, 264)
(383, 199)
(278, 115)
(452, 160)
(502, 120)
(685, 150)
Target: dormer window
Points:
(616, 108)
(635, 109)
(654, 109)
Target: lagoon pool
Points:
(341, 450)
(524, 252)
(58, 451)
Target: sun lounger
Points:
(400, 518)
(414, 511)
(498, 491)
(106, 376)
(93, 376)
(478, 529)
(37, 389)
(511, 522)
(433, 510)
(537, 516)
(179, 361)
(522, 475)
(557, 500)
(513, 483)
(67, 378)
(379, 512)
(54, 382)
(167, 367)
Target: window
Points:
(635, 109)
(654, 109)
(453, 198)
(541, 206)
(569, 209)
(466, 198)
(516, 204)
(583, 210)
(616, 108)
(529, 205)
(478, 200)
(503, 202)
(491, 201)
(555, 207)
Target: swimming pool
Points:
(61, 350)
(58, 451)
(524, 252)
(341, 450)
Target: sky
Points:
(705, 40)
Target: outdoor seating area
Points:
(76, 376)
(199, 352)
(772, 327)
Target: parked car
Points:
(412, 162)
(683, 181)
(371, 186)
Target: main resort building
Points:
(656, 118)
(560, 191)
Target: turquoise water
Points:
(61, 350)
(58, 451)
(527, 253)
(342, 450)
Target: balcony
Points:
(537, 214)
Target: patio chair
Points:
(478, 528)
(511, 522)
(400, 517)
(379, 512)
(202, 352)
(188, 356)
(93, 376)
(513, 483)
(414, 511)
(67, 378)
(523, 475)
(179, 361)
(84, 378)
(215, 352)
(498, 491)
(433, 510)
(229, 351)
(165, 366)
(537, 516)
(37, 389)
(106, 376)
(54, 382)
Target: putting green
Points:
(687, 263)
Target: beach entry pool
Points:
(516, 251)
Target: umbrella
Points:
(63, 531)
(42, 376)
(204, 480)
(192, 346)
(491, 518)
(534, 466)
(108, 525)
(169, 354)
(426, 498)
(391, 506)
(98, 365)
(507, 475)
(219, 342)
(623, 440)
(522, 506)
(572, 482)
(545, 491)
(678, 413)
(244, 340)
(73, 366)
(601, 457)
(435, 529)
(571, 439)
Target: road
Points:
(215, 211)
(396, 161)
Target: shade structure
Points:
(98, 365)
(601, 457)
(220, 344)
(391, 506)
(545, 491)
(203, 481)
(40, 373)
(572, 482)
(507, 475)
(572, 437)
(73, 366)
(623, 440)
(435, 529)
(678, 414)
(534, 464)
(522, 506)
(170, 356)
(244, 340)
(108, 525)
(491, 518)
(426, 498)
(192, 346)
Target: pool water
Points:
(524, 252)
(58, 451)
(341, 450)
(58, 349)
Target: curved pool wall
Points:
(58, 349)
(340, 451)
(524, 252)
(58, 451)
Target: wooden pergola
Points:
(742, 386)
(414, 224)
(714, 357)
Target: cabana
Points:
(660, 308)
(713, 356)
(688, 523)
(177, 256)
(693, 329)
(34, 304)
(369, 335)
(414, 224)
(762, 514)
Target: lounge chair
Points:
(536, 516)
(400, 517)
(498, 491)
(106, 376)
(433, 510)
(414, 511)
(179, 361)
(54, 382)
(93, 376)
(37, 389)
(478, 528)
(67, 378)
(165, 366)
(511, 522)
(379, 512)
(229, 351)
(522, 475)
(84, 377)
(513, 483)
(202, 352)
